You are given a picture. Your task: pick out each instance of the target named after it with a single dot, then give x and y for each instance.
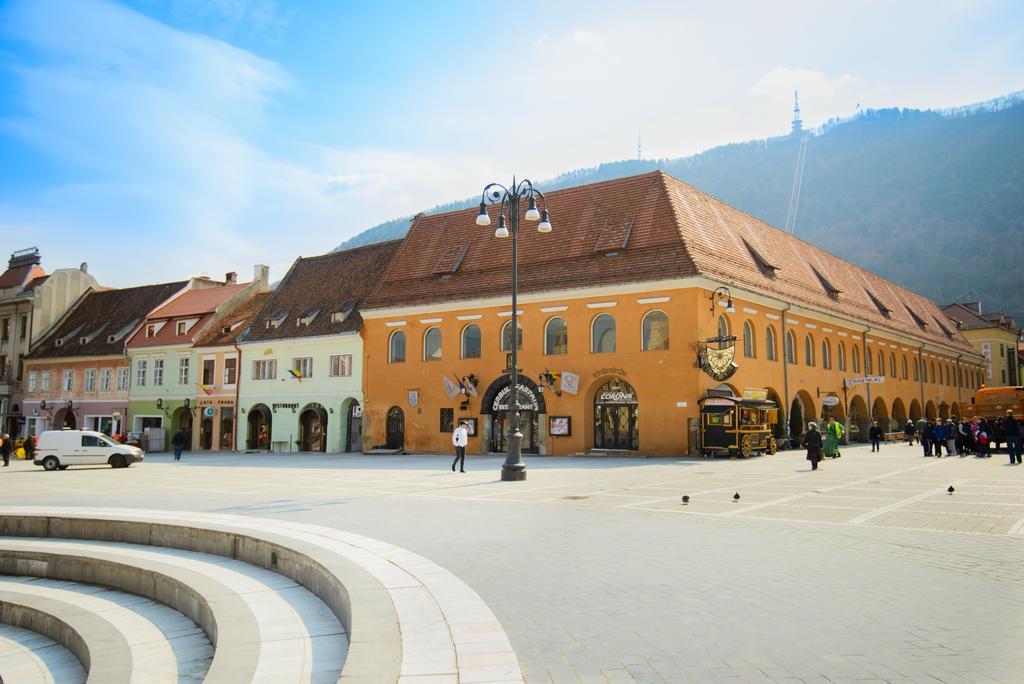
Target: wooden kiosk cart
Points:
(737, 426)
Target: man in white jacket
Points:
(460, 438)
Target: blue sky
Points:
(158, 139)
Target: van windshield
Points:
(108, 441)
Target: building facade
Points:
(616, 307)
(995, 336)
(78, 374)
(165, 375)
(30, 303)
(301, 387)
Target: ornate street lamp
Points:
(507, 200)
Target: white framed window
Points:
(209, 372)
(556, 336)
(183, 370)
(44, 381)
(841, 356)
(602, 334)
(69, 381)
(396, 347)
(32, 379)
(432, 344)
(264, 369)
(769, 343)
(151, 329)
(341, 365)
(230, 371)
(90, 380)
(790, 347)
(141, 369)
(809, 350)
(303, 365)
(181, 327)
(826, 354)
(105, 375)
(158, 372)
(122, 379)
(748, 339)
(471, 342)
(506, 336)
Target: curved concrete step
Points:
(264, 626)
(406, 617)
(30, 658)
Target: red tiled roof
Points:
(34, 283)
(673, 231)
(195, 302)
(97, 315)
(17, 276)
(168, 332)
(235, 323)
(316, 287)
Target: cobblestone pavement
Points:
(864, 570)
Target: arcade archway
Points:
(930, 411)
(859, 420)
(313, 428)
(915, 410)
(880, 413)
(899, 413)
(259, 422)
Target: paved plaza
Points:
(864, 570)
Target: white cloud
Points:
(780, 82)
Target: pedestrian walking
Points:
(30, 448)
(834, 432)
(928, 437)
(981, 438)
(875, 435)
(6, 447)
(950, 436)
(1011, 431)
(178, 442)
(908, 432)
(812, 442)
(460, 438)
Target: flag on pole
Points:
(450, 388)
(296, 374)
(207, 390)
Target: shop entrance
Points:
(528, 425)
(355, 427)
(313, 428)
(259, 428)
(395, 428)
(615, 417)
(206, 434)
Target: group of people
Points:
(7, 447)
(963, 436)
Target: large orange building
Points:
(613, 306)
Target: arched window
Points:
(841, 354)
(602, 334)
(723, 326)
(506, 337)
(881, 362)
(867, 362)
(826, 354)
(556, 336)
(396, 347)
(903, 368)
(432, 344)
(748, 340)
(809, 350)
(960, 377)
(790, 347)
(948, 381)
(471, 342)
(933, 373)
(855, 359)
(655, 331)
(769, 344)
(917, 375)
(892, 364)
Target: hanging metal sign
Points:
(718, 363)
(830, 400)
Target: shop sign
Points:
(868, 380)
(284, 406)
(609, 371)
(618, 397)
(571, 382)
(718, 363)
(526, 395)
(357, 411)
(755, 394)
(209, 412)
(830, 400)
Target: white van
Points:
(58, 449)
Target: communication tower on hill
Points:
(801, 157)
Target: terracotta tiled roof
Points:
(98, 315)
(234, 323)
(167, 333)
(34, 283)
(589, 221)
(674, 230)
(16, 276)
(315, 288)
(195, 302)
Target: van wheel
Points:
(51, 463)
(117, 461)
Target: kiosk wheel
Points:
(773, 446)
(746, 446)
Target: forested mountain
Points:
(933, 200)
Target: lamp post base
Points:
(513, 473)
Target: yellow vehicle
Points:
(993, 402)
(737, 426)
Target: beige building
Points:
(995, 335)
(31, 302)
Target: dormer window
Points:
(151, 330)
(59, 342)
(882, 308)
(83, 340)
(917, 319)
(225, 330)
(271, 323)
(306, 318)
(111, 338)
(765, 266)
(337, 317)
(830, 289)
(181, 327)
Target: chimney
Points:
(230, 278)
(84, 268)
(261, 273)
